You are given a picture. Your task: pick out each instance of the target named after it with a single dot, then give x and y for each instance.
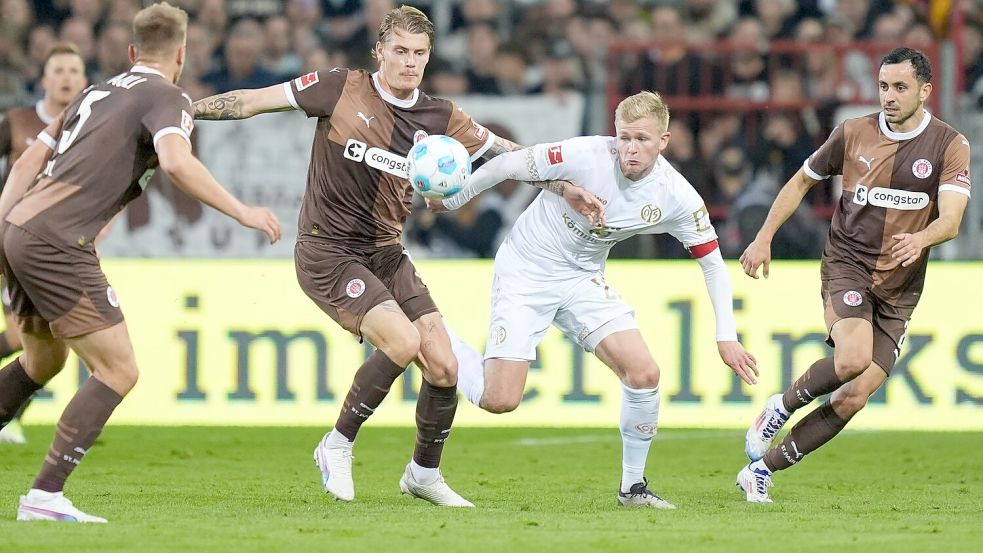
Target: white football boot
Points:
(42, 505)
(13, 433)
(335, 464)
(760, 435)
(755, 483)
(640, 496)
(436, 492)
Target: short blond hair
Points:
(63, 48)
(405, 18)
(643, 104)
(160, 29)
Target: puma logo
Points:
(797, 454)
(368, 120)
(866, 162)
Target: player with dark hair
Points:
(348, 257)
(63, 77)
(905, 187)
(96, 157)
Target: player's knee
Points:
(851, 364)
(403, 347)
(42, 366)
(849, 403)
(121, 375)
(127, 379)
(500, 404)
(642, 378)
(442, 369)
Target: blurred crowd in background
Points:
(685, 49)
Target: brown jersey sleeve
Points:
(465, 130)
(168, 112)
(317, 93)
(828, 159)
(955, 166)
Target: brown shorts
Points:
(346, 283)
(51, 290)
(845, 298)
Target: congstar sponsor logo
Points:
(890, 198)
(376, 158)
(387, 161)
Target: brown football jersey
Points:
(357, 188)
(19, 128)
(891, 183)
(104, 156)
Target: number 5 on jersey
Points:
(68, 137)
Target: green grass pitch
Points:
(256, 489)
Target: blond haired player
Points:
(550, 270)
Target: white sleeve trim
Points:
(290, 95)
(484, 147)
(46, 139)
(954, 188)
(171, 130)
(721, 296)
(812, 174)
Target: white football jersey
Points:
(556, 241)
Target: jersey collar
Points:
(144, 69)
(392, 99)
(43, 115)
(882, 122)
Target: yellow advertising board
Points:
(237, 342)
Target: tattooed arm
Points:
(243, 104)
(520, 164)
(500, 146)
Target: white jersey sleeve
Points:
(565, 160)
(542, 162)
(691, 224)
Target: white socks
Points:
(423, 475)
(470, 368)
(639, 422)
(337, 439)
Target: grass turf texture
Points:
(256, 489)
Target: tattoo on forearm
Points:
(554, 186)
(531, 165)
(219, 108)
(498, 147)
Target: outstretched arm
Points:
(195, 180)
(758, 253)
(501, 146)
(243, 104)
(715, 274)
(508, 160)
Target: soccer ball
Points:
(438, 166)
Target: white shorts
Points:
(586, 309)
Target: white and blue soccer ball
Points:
(439, 166)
